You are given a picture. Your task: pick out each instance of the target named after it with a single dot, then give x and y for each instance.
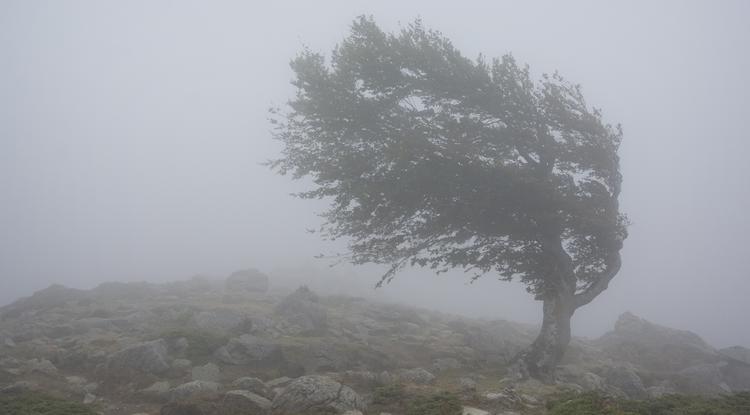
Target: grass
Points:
(395, 398)
(595, 404)
(32, 403)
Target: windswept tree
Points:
(432, 159)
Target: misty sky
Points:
(132, 132)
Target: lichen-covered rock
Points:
(316, 393)
(253, 385)
(242, 402)
(219, 319)
(625, 379)
(149, 357)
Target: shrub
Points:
(39, 404)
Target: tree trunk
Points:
(540, 360)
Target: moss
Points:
(40, 404)
(437, 404)
(595, 404)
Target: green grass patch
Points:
(39, 404)
(201, 344)
(595, 404)
(395, 398)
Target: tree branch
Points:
(601, 283)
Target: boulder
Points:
(248, 280)
(249, 349)
(194, 389)
(149, 357)
(625, 379)
(308, 394)
(253, 385)
(242, 402)
(302, 310)
(419, 376)
(703, 379)
(655, 347)
(208, 372)
(219, 319)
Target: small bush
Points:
(40, 404)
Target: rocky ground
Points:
(235, 347)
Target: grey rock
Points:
(89, 398)
(624, 378)
(419, 376)
(248, 280)
(467, 384)
(43, 366)
(181, 364)
(253, 385)
(243, 402)
(739, 353)
(159, 391)
(218, 320)
(310, 393)
(149, 357)
(302, 309)
(703, 379)
(248, 349)
(208, 372)
(193, 389)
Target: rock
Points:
(41, 366)
(625, 379)
(662, 389)
(445, 363)
(191, 390)
(188, 408)
(19, 387)
(159, 391)
(89, 399)
(467, 410)
(242, 402)
(253, 385)
(149, 357)
(208, 372)
(316, 393)
(467, 384)
(655, 347)
(703, 379)
(218, 320)
(181, 364)
(248, 349)
(419, 376)
(248, 280)
(48, 298)
(739, 353)
(279, 382)
(302, 309)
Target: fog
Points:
(132, 136)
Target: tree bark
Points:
(540, 360)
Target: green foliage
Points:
(395, 398)
(594, 404)
(433, 159)
(40, 404)
(438, 404)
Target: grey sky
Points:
(131, 134)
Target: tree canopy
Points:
(433, 159)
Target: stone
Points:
(208, 372)
(467, 384)
(241, 402)
(89, 399)
(316, 393)
(419, 376)
(468, 410)
(302, 309)
(218, 320)
(43, 366)
(181, 364)
(149, 357)
(703, 379)
(248, 280)
(158, 391)
(253, 385)
(248, 349)
(624, 378)
(193, 389)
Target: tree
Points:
(432, 159)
